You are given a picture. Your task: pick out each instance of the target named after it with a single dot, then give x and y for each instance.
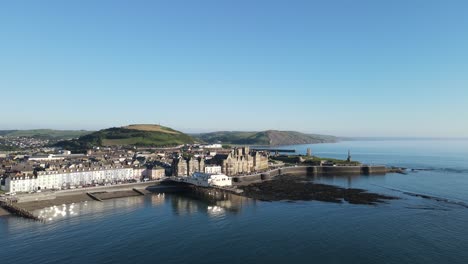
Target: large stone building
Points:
(156, 173)
(242, 161)
(179, 167)
(195, 165)
(238, 161)
(186, 167)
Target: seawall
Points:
(18, 211)
(312, 171)
(25, 198)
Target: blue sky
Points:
(347, 68)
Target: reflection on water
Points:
(55, 212)
(211, 202)
(86, 210)
(97, 209)
(158, 199)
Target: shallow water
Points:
(188, 228)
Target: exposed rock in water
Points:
(296, 188)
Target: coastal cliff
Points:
(265, 138)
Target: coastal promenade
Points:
(34, 201)
(23, 198)
(311, 171)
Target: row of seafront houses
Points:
(86, 177)
(102, 175)
(76, 177)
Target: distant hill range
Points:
(147, 135)
(264, 138)
(45, 133)
(132, 135)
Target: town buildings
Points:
(237, 161)
(63, 170)
(241, 161)
(34, 171)
(187, 166)
(66, 179)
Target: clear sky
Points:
(341, 67)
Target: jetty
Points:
(138, 191)
(93, 197)
(15, 210)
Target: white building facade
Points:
(207, 180)
(64, 179)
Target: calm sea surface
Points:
(186, 228)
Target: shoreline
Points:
(249, 184)
(299, 188)
(33, 202)
(314, 171)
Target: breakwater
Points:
(312, 171)
(15, 210)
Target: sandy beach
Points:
(116, 194)
(59, 200)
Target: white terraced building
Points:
(64, 179)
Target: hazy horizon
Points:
(364, 137)
(345, 68)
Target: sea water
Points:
(185, 228)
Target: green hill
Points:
(45, 133)
(133, 135)
(270, 137)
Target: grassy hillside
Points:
(270, 137)
(45, 133)
(235, 137)
(133, 135)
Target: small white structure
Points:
(213, 170)
(206, 180)
(213, 146)
(45, 157)
(48, 157)
(66, 152)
